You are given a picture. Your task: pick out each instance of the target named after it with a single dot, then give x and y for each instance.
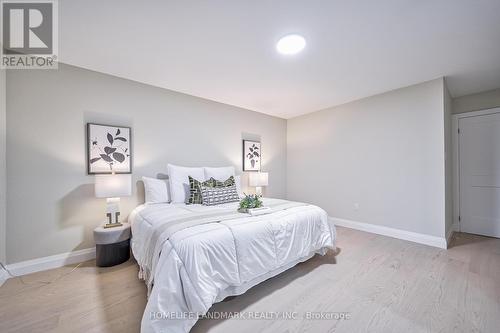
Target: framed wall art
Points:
(251, 155)
(108, 149)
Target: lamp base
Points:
(112, 225)
(113, 212)
(258, 190)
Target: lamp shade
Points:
(113, 186)
(258, 179)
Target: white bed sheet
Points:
(202, 265)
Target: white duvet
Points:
(202, 264)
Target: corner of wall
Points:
(448, 148)
(3, 165)
(475, 102)
(286, 160)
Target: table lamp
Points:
(258, 179)
(112, 187)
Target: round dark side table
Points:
(112, 245)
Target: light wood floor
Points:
(385, 284)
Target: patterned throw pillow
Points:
(228, 182)
(195, 191)
(218, 195)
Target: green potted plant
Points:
(250, 201)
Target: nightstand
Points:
(112, 245)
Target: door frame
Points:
(455, 118)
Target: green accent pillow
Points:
(195, 189)
(228, 182)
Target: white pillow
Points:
(221, 174)
(179, 181)
(155, 190)
(237, 180)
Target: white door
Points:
(479, 156)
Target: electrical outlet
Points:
(356, 206)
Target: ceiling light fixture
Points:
(291, 44)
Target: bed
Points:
(192, 256)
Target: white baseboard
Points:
(3, 276)
(50, 262)
(392, 232)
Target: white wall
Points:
(475, 102)
(51, 202)
(384, 153)
(3, 166)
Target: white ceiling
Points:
(225, 50)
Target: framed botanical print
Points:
(108, 149)
(251, 155)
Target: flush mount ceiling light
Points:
(291, 44)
